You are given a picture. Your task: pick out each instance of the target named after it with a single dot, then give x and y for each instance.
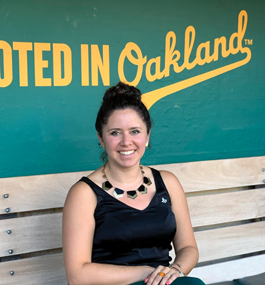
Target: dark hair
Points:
(120, 97)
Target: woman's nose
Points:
(126, 140)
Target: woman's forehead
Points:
(125, 117)
(125, 114)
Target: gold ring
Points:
(162, 274)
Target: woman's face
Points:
(124, 138)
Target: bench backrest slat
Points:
(227, 207)
(37, 192)
(40, 270)
(218, 174)
(31, 234)
(231, 241)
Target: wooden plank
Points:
(48, 270)
(49, 191)
(30, 234)
(217, 174)
(227, 207)
(227, 271)
(231, 241)
(37, 192)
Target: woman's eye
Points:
(135, 132)
(115, 133)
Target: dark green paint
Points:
(51, 129)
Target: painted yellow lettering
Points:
(207, 58)
(97, 64)
(139, 62)
(158, 74)
(58, 50)
(171, 55)
(7, 65)
(242, 26)
(84, 65)
(217, 42)
(189, 42)
(40, 64)
(23, 48)
(232, 49)
(153, 96)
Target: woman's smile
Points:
(127, 152)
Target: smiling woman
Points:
(124, 137)
(119, 222)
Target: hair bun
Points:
(121, 97)
(122, 91)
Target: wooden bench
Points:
(227, 206)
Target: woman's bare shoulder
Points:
(80, 194)
(81, 187)
(169, 177)
(97, 176)
(171, 181)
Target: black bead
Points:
(147, 181)
(132, 194)
(142, 189)
(106, 185)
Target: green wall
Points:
(48, 103)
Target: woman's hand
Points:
(162, 275)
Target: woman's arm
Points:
(186, 250)
(78, 233)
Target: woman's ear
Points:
(100, 140)
(147, 139)
(148, 136)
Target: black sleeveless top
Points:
(128, 236)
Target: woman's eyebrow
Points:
(119, 129)
(113, 129)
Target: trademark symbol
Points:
(248, 42)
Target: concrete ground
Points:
(253, 280)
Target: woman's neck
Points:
(123, 175)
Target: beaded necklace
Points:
(118, 193)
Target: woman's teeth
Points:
(126, 152)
